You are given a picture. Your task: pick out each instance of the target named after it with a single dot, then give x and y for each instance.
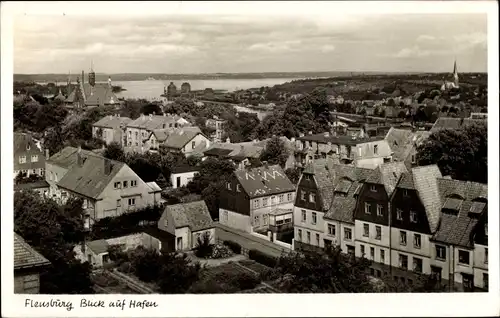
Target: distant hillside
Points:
(166, 77)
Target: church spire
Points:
(92, 74)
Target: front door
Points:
(436, 273)
(178, 182)
(179, 243)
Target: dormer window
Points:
(238, 188)
(413, 216)
(228, 185)
(312, 197)
(452, 205)
(476, 208)
(373, 188)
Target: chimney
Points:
(79, 158)
(83, 78)
(310, 132)
(107, 167)
(47, 154)
(265, 164)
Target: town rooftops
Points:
(100, 94)
(237, 151)
(264, 181)
(388, 175)
(327, 137)
(462, 204)
(455, 123)
(193, 215)
(152, 122)
(90, 176)
(113, 122)
(67, 157)
(26, 256)
(184, 168)
(178, 138)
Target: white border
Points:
(257, 305)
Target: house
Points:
(456, 123)
(111, 129)
(415, 216)
(188, 222)
(252, 194)
(185, 140)
(182, 175)
(367, 152)
(241, 154)
(91, 94)
(28, 264)
(139, 130)
(372, 214)
(42, 187)
(29, 157)
(217, 125)
(108, 188)
(404, 143)
(325, 204)
(454, 253)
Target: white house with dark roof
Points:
(182, 175)
(111, 129)
(187, 222)
(252, 194)
(28, 264)
(186, 140)
(139, 130)
(107, 187)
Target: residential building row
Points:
(407, 221)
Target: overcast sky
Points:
(239, 43)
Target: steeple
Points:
(92, 74)
(455, 73)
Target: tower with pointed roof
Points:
(455, 73)
(92, 74)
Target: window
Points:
(308, 237)
(273, 200)
(133, 183)
(256, 203)
(380, 210)
(440, 252)
(34, 158)
(264, 201)
(256, 220)
(368, 207)
(314, 218)
(463, 257)
(347, 234)
(485, 281)
(193, 144)
(378, 232)
(413, 159)
(362, 250)
(228, 185)
(366, 230)
(265, 218)
(125, 184)
(304, 216)
(22, 159)
(417, 265)
(373, 188)
(317, 239)
(131, 201)
(372, 253)
(289, 197)
(405, 192)
(303, 195)
(238, 189)
(417, 241)
(382, 256)
(375, 149)
(402, 238)
(486, 255)
(117, 185)
(118, 203)
(331, 229)
(281, 198)
(413, 216)
(399, 214)
(312, 197)
(403, 261)
(468, 282)
(299, 234)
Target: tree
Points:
(275, 152)
(146, 263)
(460, 153)
(54, 230)
(132, 108)
(114, 151)
(151, 108)
(293, 174)
(204, 245)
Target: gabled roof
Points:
(239, 151)
(152, 122)
(401, 142)
(457, 229)
(262, 181)
(194, 215)
(24, 140)
(112, 122)
(178, 138)
(388, 175)
(455, 123)
(368, 149)
(90, 178)
(26, 256)
(154, 186)
(100, 94)
(67, 157)
(32, 185)
(98, 246)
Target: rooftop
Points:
(263, 181)
(194, 215)
(338, 140)
(26, 256)
(112, 122)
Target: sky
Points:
(240, 43)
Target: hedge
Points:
(235, 247)
(262, 258)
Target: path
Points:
(248, 241)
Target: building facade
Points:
(111, 129)
(29, 158)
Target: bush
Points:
(203, 246)
(146, 263)
(220, 251)
(245, 281)
(262, 258)
(125, 267)
(235, 247)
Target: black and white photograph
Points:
(236, 148)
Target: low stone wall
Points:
(134, 240)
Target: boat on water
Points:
(151, 79)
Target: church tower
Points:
(455, 73)
(92, 74)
